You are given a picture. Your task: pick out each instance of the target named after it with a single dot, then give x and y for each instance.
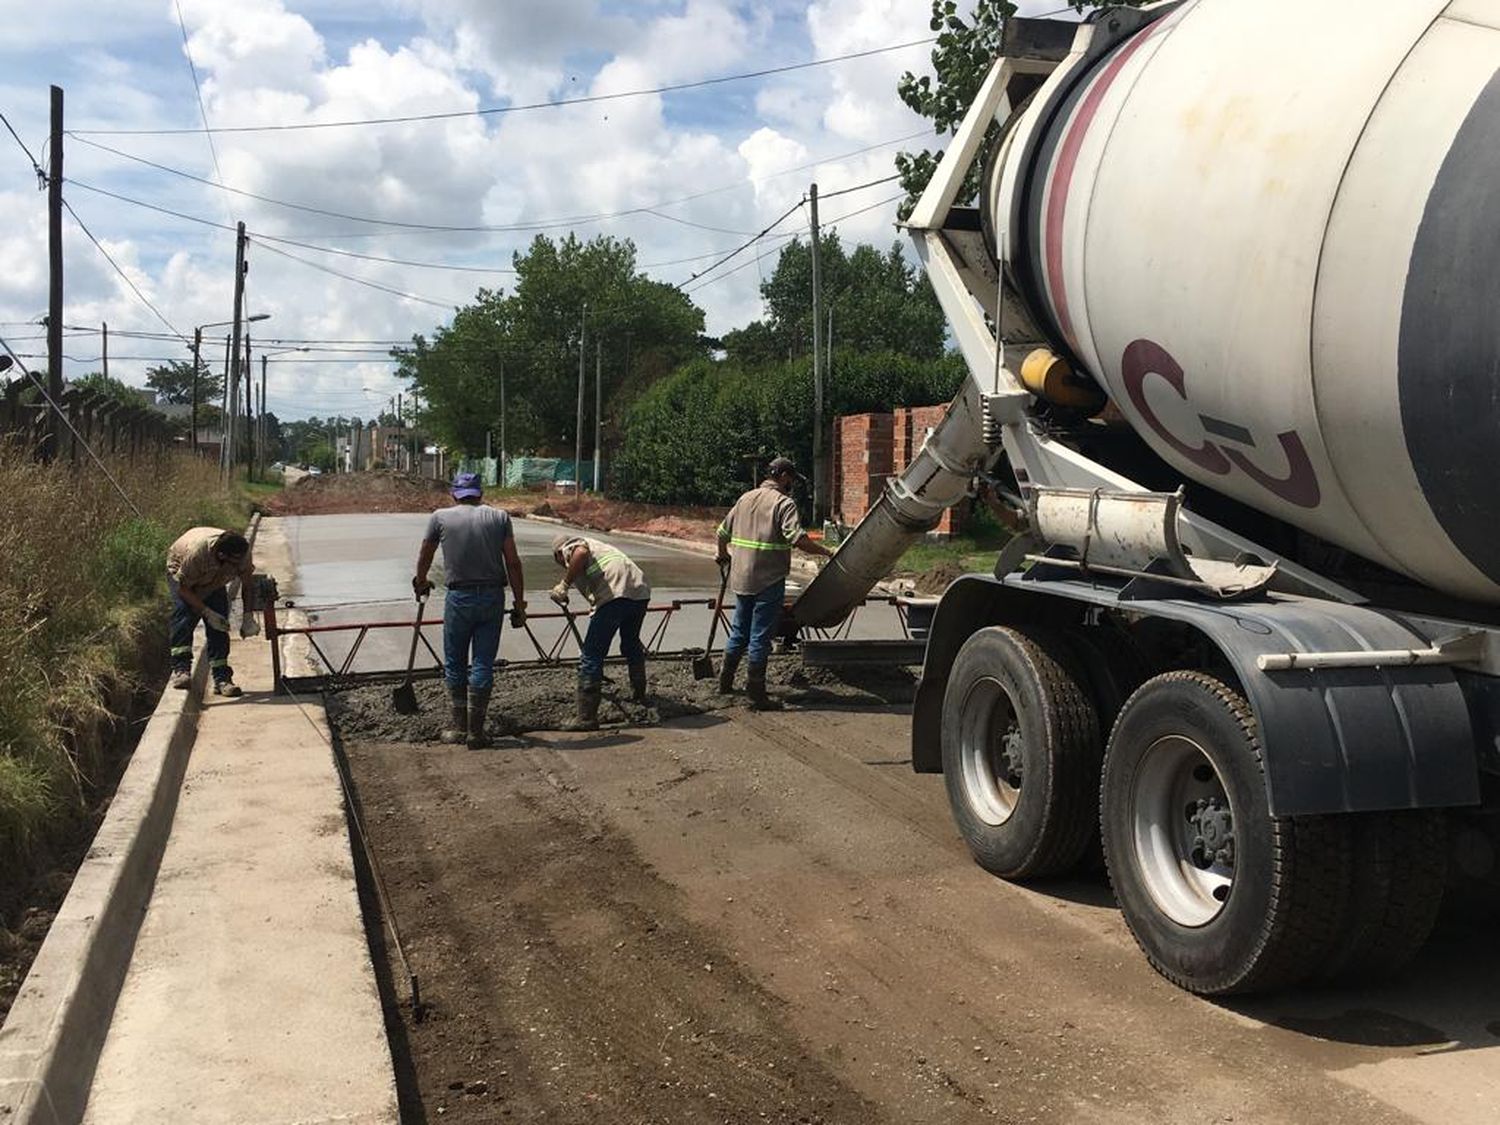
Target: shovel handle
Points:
(416, 634)
(713, 625)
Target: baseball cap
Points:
(466, 486)
(783, 465)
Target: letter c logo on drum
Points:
(1300, 485)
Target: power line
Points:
(41, 176)
(198, 89)
(449, 305)
(123, 275)
(746, 245)
(494, 111)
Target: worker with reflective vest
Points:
(619, 594)
(755, 543)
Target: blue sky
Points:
(123, 65)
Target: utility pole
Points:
(598, 403)
(502, 423)
(578, 429)
(265, 431)
(249, 411)
(197, 349)
(55, 284)
(104, 343)
(234, 348)
(817, 317)
(224, 411)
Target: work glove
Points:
(421, 586)
(249, 626)
(559, 594)
(723, 567)
(518, 615)
(216, 620)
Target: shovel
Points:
(703, 666)
(404, 696)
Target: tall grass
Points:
(81, 587)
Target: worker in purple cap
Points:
(756, 540)
(479, 561)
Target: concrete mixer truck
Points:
(1230, 304)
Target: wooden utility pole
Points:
(55, 276)
(502, 423)
(227, 462)
(265, 430)
(197, 349)
(598, 403)
(249, 411)
(578, 428)
(818, 474)
(104, 344)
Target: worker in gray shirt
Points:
(479, 561)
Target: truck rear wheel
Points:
(1221, 896)
(1400, 864)
(1021, 753)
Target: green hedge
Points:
(691, 437)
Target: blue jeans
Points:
(185, 621)
(471, 635)
(618, 615)
(754, 623)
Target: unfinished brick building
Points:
(868, 449)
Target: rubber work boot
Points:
(730, 666)
(457, 730)
(638, 683)
(755, 688)
(182, 679)
(479, 706)
(589, 694)
(228, 689)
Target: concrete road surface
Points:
(358, 568)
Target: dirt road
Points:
(769, 918)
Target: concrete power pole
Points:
(197, 350)
(249, 411)
(265, 431)
(55, 276)
(578, 428)
(227, 462)
(820, 477)
(598, 404)
(502, 423)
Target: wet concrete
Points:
(358, 568)
(544, 699)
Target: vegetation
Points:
(81, 592)
(697, 436)
(636, 329)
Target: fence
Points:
(107, 425)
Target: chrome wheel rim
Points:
(1183, 829)
(990, 751)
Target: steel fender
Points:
(970, 604)
(1346, 740)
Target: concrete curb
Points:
(51, 1040)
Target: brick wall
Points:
(869, 449)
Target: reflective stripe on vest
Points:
(757, 545)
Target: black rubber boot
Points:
(638, 683)
(458, 724)
(479, 706)
(755, 688)
(589, 694)
(730, 666)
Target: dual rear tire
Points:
(1221, 896)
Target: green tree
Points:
(637, 329)
(880, 303)
(173, 382)
(965, 49)
(112, 389)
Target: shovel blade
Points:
(404, 699)
(703, 667)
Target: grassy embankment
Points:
(82, 598)
(972, 551)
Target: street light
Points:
(197, 348)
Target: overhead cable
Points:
(134, 288)
(495, 111)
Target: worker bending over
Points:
(479, 561)
(755, 542)
(200, 566)
(619, 593)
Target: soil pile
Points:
(543, 699)
(598, 513)
(358, 492)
